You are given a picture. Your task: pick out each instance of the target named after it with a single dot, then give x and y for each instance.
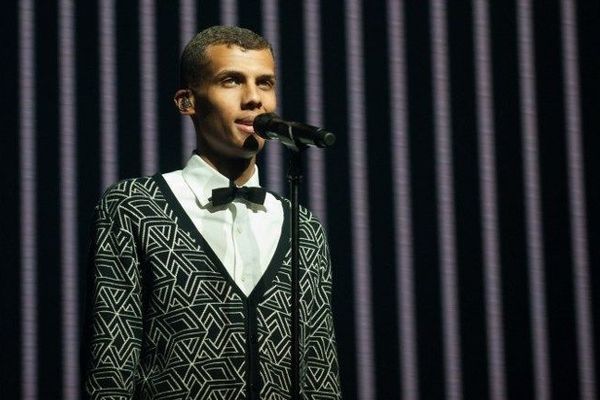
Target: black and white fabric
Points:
(166, 320)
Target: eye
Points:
(230, 81)
(266, 84)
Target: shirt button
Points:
(239, 229)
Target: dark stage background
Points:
(461, 199)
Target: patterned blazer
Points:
(166, 321)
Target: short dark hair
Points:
(194, 60)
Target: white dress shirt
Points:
(243, 235)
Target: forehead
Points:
(251, 62)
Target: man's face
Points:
(237, 85)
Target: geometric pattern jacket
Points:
(166, 321)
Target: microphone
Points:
(271, 126)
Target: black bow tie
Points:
(226, 195)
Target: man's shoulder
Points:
(130, 185)
(126, 191)
(306, 215)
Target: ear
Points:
(184, 100)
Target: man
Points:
(189, 289)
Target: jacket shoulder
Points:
(124, 192)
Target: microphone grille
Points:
(262, 121)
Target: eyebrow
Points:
(232, 72)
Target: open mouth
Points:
(245, 125)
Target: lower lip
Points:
(245, 128)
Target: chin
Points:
(253, 145)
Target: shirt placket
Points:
(247, 268)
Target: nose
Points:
(251, 97)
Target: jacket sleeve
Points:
(323, 367)
(112, 333)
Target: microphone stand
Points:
(296, 143)
(294, 178)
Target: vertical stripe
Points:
(270, 11)
(402, 200)
(108, 94)
(229, 12)
(445, 205)
(535, 255)
(187, 23)
(28, 212)
(314, 107)
(148, 81)
(359, 192)
(579, 242)
(489, 208)
(68, 200)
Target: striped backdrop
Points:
(462, 199)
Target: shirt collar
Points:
(202, 178)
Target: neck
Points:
(238, 170)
